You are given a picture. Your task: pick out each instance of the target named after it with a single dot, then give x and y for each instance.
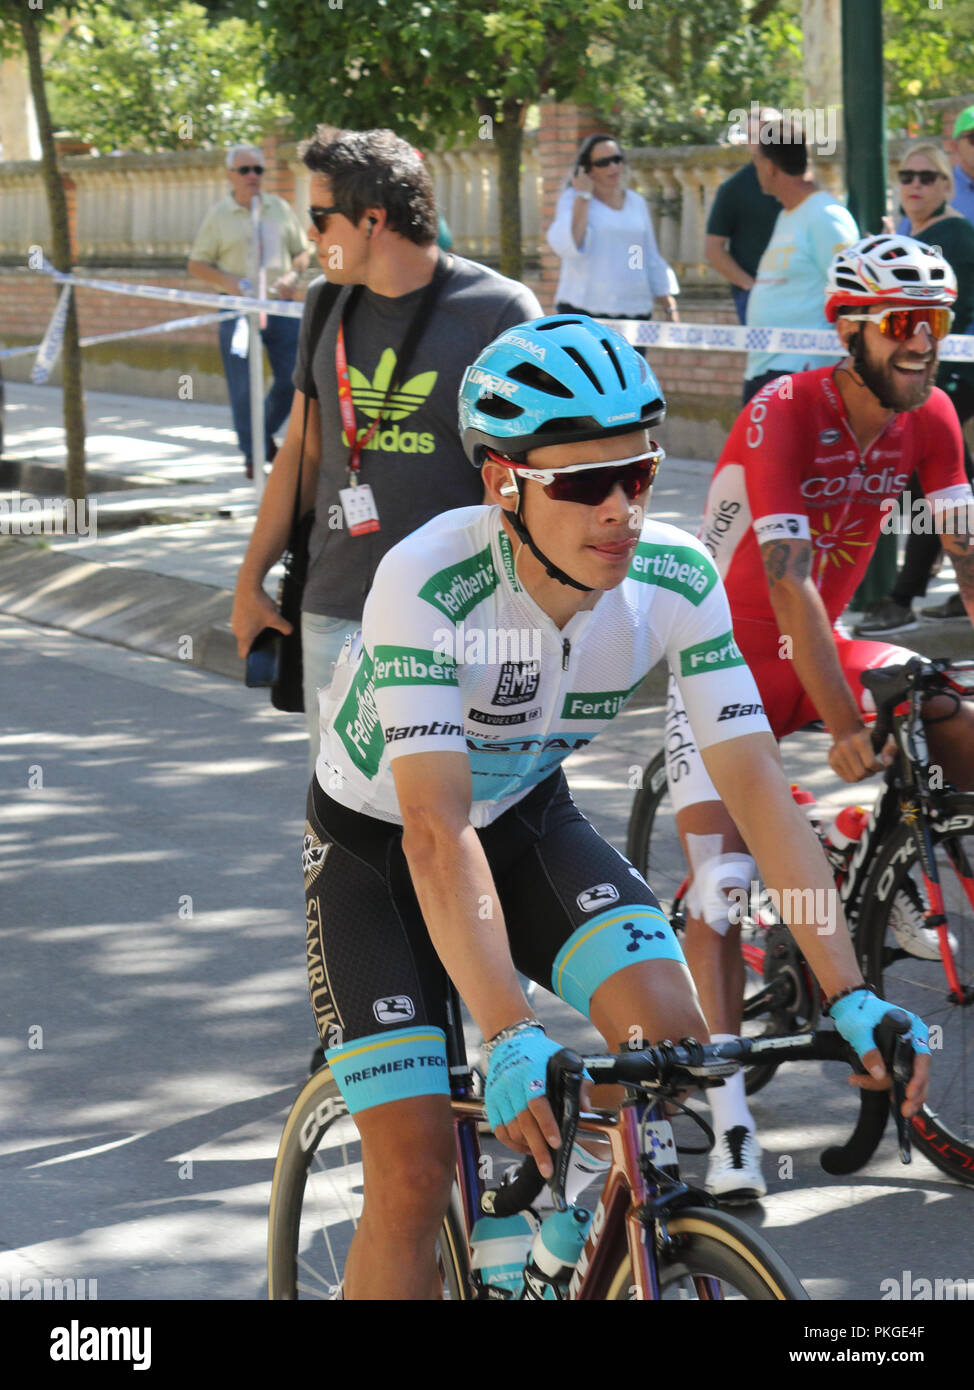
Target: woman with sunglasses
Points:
(610, 264)
(926, 185)
(441, 832)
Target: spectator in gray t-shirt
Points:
(374, 225)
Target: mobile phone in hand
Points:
(264, 658)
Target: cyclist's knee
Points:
(719, 891)
(408, 1160)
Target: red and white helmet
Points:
(888, 270)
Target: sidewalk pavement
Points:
(174, 515)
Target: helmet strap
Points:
(551, 569)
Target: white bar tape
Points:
(171, 326)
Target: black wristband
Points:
(844, 994)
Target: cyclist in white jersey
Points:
(441, 834)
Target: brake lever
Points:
(565, 1072)
(898, 1056)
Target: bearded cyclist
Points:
(810, 469)
(441, 833)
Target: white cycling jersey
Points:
(455, 656)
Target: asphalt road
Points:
(154, 1007)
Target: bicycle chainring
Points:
(783, 958)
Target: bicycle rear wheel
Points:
(316, 1200)
(653, 847)
(944, 1129)
(710, 1245)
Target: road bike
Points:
(651, 1235)
(914, 861)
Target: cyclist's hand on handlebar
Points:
(855, 1017)
(517, 1106)
(852, 758)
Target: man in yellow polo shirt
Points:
(222, 256)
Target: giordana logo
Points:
(394, 1008)
(518, 683)
(830, 436)
(600, 896)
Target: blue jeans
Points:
(740, 302)
(322, 639)
(281, 341)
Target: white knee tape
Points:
(718, 879)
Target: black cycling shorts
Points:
(576, 911)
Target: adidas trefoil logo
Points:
(369, 395)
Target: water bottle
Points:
(554, 1253)
(499, 1247)
(843, 835)
(809, 805)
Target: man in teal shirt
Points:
(789, 290)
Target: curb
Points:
(178, 619)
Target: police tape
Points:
(726, 337)
(701, 337)
(48, 349)
(285, 308)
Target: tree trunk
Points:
(72, 391)
(508, 132)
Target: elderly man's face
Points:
(244, 178)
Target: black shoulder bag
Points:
(287, 690)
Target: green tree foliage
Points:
(144, 76)
(929, 55)
(447, 71)
(705, 59)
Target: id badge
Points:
(360, 510)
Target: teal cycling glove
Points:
(858, 1014)
(516, 1073)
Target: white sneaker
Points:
(734, 1167)
(908, 925)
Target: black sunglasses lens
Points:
(609, 159)
(250, 169)
(592, 486)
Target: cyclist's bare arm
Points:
(960, 548)
(252, 609)
(802, 618)
(748, 775)
(462, 911)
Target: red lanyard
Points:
(346, 403)
(347, 407)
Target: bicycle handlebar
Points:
(671, 1067)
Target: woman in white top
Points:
(610, 264)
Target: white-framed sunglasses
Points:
(902, 324)
(591, 483)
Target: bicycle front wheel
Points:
(715, 1256)
(316, 1201)
(895, 899)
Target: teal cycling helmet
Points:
(556, 380)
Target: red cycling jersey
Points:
(792, 467)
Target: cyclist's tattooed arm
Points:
(960, 548)
(803, 621)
